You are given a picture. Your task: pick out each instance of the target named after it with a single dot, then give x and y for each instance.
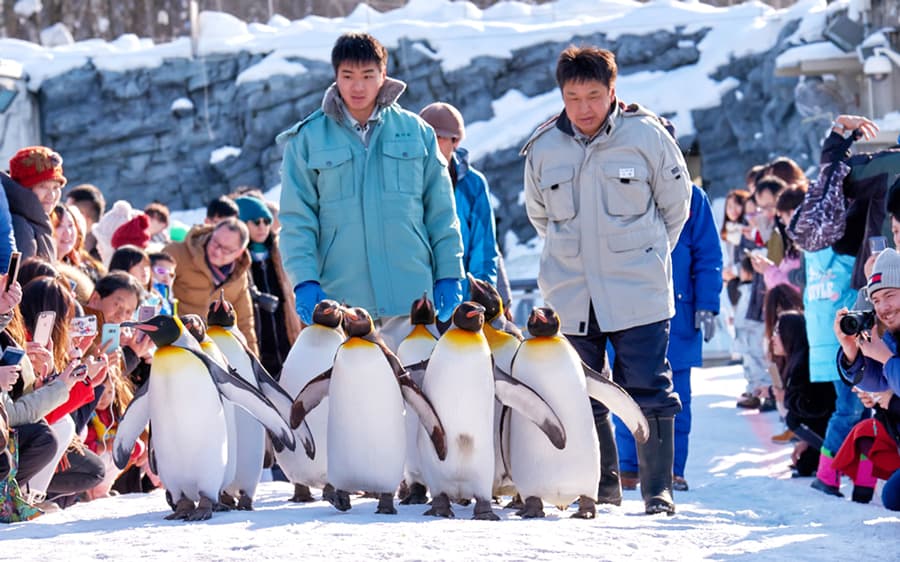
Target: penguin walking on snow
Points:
(549, 364)
(182, 399)
(311, 354)
(415, 348)
(251, 437)
(504, 337)
(366, 435)
(461, 382)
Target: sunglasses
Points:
(260, 222)
(164, 271)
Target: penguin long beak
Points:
(142, 327)
(539, 314)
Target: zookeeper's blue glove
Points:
(308, 294)
(447, 296)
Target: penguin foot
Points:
(515, 503)
(245, 502)
(587, 508)
(219, 507)
(227, 500)
(203, 511)
(302, 494)
(440, 507)
(465, 502)
(328, 493)
(483, 511)
(534, 507)
(340, 500)
(169, 500)
(386, 504)
(418, 495)
(183, 509)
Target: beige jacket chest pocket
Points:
(404, 167)
(626, 189)
(335, 169)
(557, 189)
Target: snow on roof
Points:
(818, 50)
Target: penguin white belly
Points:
(538, 468)
(414, 349)
(250, 434)
(210, 348)
(460, 384)
(366, 434)
(188, 424)
(311, 355)
(503, 348)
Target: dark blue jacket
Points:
(476, 221)
(697, 281)
(7, 240)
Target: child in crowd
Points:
(748, 337)
(162, 266)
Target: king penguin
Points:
(366, 435)
(312, 353)
(504, 338)
(549, 364)
(251, 438)
(415, 348)
(182, 399)
(461, 382)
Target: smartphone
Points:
(43, 328)
(146, 312)
(11, 356)
(83, 326)
(12, 270)
(877, 244)
(110, 334)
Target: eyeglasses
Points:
(164, 271)
(260, 221)
(216, 245)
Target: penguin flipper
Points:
(250, 399)
(417, 371)
(505, 413)
(619, 402)
(428, 417)
(269, 386)
(522, 398)
(309, 397)
(136, 417)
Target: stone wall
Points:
(149, 134)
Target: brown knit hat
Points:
(445, 119)
(135, 232)
(34, 164)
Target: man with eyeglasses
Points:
(213, 258)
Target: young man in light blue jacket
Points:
(366, 203)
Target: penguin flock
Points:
(474, 413)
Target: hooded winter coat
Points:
(476, 221)
(610, 213)
(196, 289)
(31, 225)
(374, 223)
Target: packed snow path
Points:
(742, 505)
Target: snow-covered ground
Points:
(742, 505)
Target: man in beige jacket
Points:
(213, 258)
(608, 191)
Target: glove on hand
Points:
(308, 294)
(705, 321)
(447, 296)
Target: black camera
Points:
(857, 321)
(264, 301)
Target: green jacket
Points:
(376, 225)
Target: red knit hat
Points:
(34, 164)
(135, 232)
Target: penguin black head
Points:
(162, 329)
(422, 311)
(328, 313)
(487, 296)
(358, 323)
(543, 322)
(469, 316)
(195, 326)
(221, 313)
